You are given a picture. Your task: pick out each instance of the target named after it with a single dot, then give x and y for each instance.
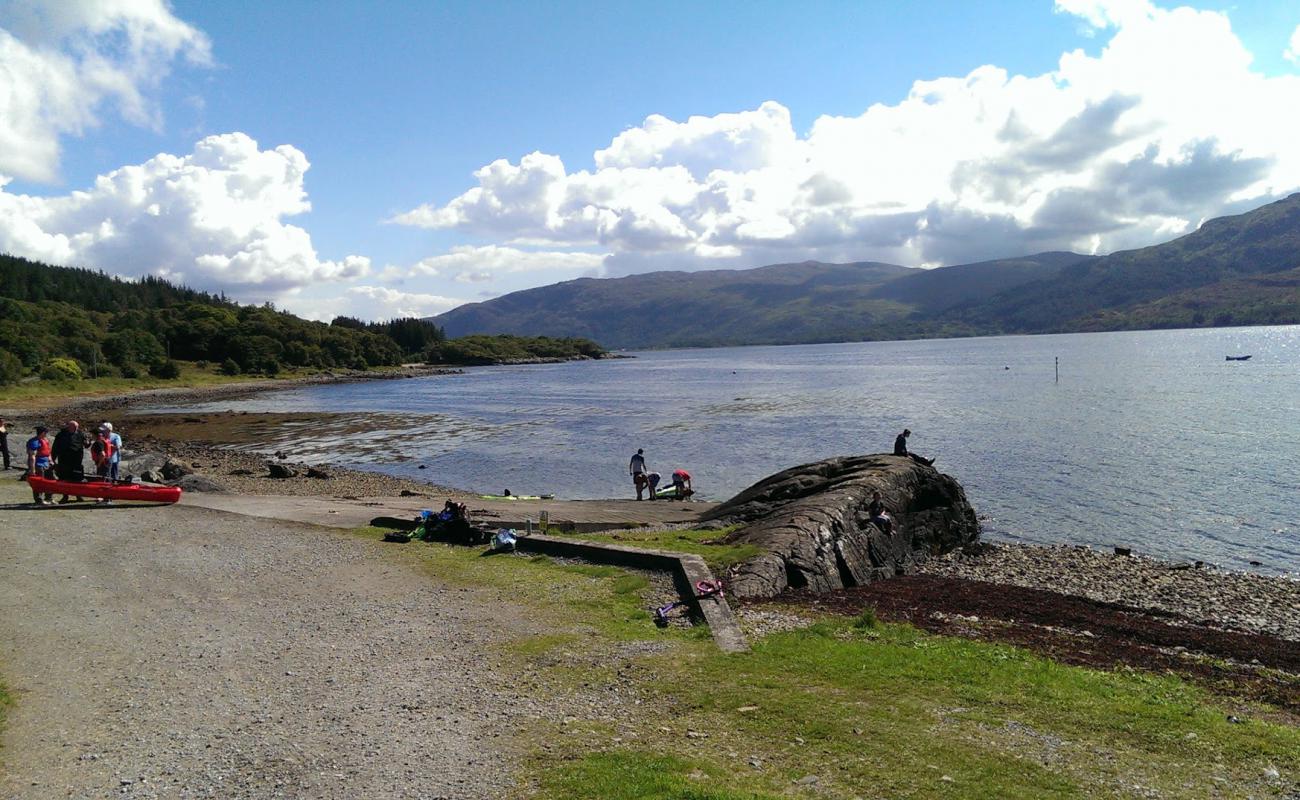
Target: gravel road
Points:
(182, 652)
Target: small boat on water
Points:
(1236, 358)
(106, 490)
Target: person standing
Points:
(69, 451)
(4, 442)
(636, 468)
(900, 449)
(114, 439)
(101, 452)
(40, 462)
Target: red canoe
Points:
(106, 490)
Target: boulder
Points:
(174, 470)
(281, 471)
(315, 472)
(138, 462)
(200, 483)
(811, 522)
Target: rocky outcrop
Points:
(812, 523)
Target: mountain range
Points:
(1236, 270)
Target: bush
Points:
(11, 368)
(61, 369)
(230, 367)
(131, 371)
(867, 620)
(167, 370)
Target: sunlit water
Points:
(1150, 439)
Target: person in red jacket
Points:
(101, 452)
(682, 483)
(40, 462)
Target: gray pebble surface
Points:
(1232, 600)
(184, 653)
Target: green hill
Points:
(1216, 275)
(1211, 265)
(65, 324)
(779, 303)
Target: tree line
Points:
(66, 324)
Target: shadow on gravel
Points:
(87, 506)
(1076, 630)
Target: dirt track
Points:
(184, 652)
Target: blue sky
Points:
(397, 105)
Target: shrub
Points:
(867, 620)
(61, 369)
(230, 367)
(131, 371)
(11, 368)
(167, 370)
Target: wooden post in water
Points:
(1058, 369)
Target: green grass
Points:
(702, 543)
(848, 708)
(43, 393)
(641, 776)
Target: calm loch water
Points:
(1150, 439)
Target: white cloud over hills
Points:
(1167, 126)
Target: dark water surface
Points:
(1150, 439)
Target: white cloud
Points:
(1166, 126)
(212, 219)
(371, 303)
(61, 61)
(466, 263)
(1292, 52)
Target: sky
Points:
(387, 159)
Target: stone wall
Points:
(812, 523)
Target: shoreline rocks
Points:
(1244, 601)
(812, 522)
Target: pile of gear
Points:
(453, 525)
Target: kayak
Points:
(106, 490)
(516, 497)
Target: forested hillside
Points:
(1231, 271)
(65, 324)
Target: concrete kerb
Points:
(687, 571)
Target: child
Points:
(101, 452)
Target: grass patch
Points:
(701, 543)
(641, 776)
(848, 708)
(42, 393)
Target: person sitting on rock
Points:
(879, 515)
(900, 449)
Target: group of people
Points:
(64, 457)
(644, 478)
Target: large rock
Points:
(200, 483)
(175, 470)
(280, 471)
(812, 523)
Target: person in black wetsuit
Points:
(4, 442)
(900, 449)
(69, 451)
